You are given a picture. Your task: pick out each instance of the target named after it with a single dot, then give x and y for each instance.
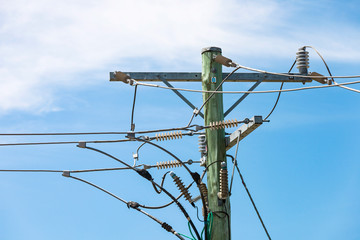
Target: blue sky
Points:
(302, 168)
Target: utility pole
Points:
(213, 111)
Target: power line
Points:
(250, 197)
(278, 97)
(71, 142)
(145, 174)
(237, 92)
(328, 69)
(133, 205)
(62, 134)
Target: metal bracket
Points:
(243, 97)
(180, 95)
(243, 131)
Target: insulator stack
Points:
(202, 144)
(181, 187)
(168, 164)
(168, 136)
(302, 60)
(224, 184)
(204, 192)
(223, 124)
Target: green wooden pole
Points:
(213, 111)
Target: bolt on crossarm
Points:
(213, 111)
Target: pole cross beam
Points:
(196, 77)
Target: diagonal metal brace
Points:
(180, 95)
(242, 97)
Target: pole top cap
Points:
(210, 49)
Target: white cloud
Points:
(44, 42)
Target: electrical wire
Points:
(212, 94)
(127, 203)
(252, 92)
(278, 97)
(132, 125)
(61, 134)
(99, 133)
(195, 176)
(162, 183)
(70, 171)
(289, 75)
(250, 197)
(235, 162)
(218, 87)
(228, 219)
(328, 69)
(72, 142)
(149, 178)
(168, 204)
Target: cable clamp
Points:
(132, 204)
(145, 174)
(198, 128)
(196, 111)
(81, 144)
(130, 135)
(66, 173)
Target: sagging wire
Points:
(145, 174)
(250, 197)
(162, 183)
(133, 205)
(211, 95)
(168, 204)
(256, 92)
(195, 176)
(228, 219)
(72, 142)
(278, 97)
(328, 69)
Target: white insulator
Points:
(223, 124)
(168, 164)
(168, 136)
(202, 143)
(302, 60)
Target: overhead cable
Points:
(133, 205)
(252, 92)
(278, 97)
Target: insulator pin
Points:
(223, 124)
(224, 184)
(181, 187)
(168, 136)
(168, 164)
(302, 60)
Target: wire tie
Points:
(66, 173)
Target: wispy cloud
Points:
(44, 43)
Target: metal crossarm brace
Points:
(180, 95)
(243, 130)
(242, 98)
(196, 77)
